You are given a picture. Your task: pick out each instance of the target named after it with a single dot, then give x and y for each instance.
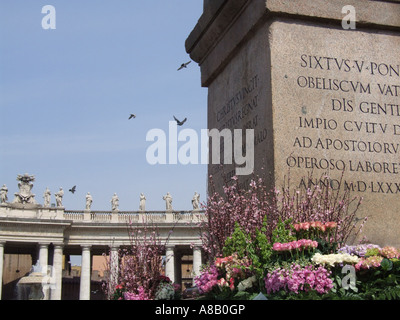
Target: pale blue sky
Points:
(66, 95)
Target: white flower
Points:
(247, 283)
(165, 292)
(334, 258)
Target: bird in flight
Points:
(183, 65)
(180, 123)
(132, 116)
(73, 189)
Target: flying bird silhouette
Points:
(132, 116)
(73, 189)
(180, 123)
(184, 65)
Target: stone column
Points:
(196, 261)
(170, 263)
(114, 266)
(57, 272)
(43, 256)
(1, 265)
(84, 293)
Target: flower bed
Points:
(301, 268)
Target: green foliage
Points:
(258, 251)
(238, 243)
(242, 295)
(381, 283)
(283, 232)
(372, 252)
(376, 283)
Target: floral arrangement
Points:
(292, 247)
(207, 279)
(141, 295)
(317, 225)
(225, 276)
(369, 262)
(374, 256)
(119, 292)
(165, 291)
(358, 250)
(390, 253)
(297, 278)
(287, 273)
(295, 245)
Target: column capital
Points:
(43, 244)
(114, 247)
(86, 247)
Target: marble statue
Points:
(47, 198)
(114, 202)
(142, 204)
(25, 185)
(196, 201)
(59, 197)
(3, 194)
(168, 202)
(89, 201)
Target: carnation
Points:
(298, 244)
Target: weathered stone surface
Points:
(319, 98)
(336, 107)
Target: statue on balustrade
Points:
(142, 204)
(196, 201)
(3, 194)
(168, 202)
(114, 202)
(46, 198)
(89, 201)
(59, 197)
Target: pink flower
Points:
(390, 252)
(297, 278)
(306, 225)
(232, 284)
(331, 225)
(223, 283)
(313, 224)
(296, 244)
(314, 244)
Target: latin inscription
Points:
(241, 111)
(360, 120)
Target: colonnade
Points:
(56, 269)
